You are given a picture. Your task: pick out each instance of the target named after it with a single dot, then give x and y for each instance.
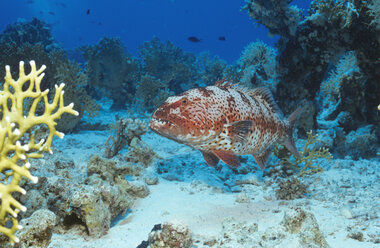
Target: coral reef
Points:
(298, 228)
(112, 69)
(151, 92)
(291, 189)
(37, 231)
(171, 234)
(277, 15)
(176, 69)
(19, 143)
(304, 224)
(126, 131)
(25, 41)
(258, 66)
(85, 201)
(33, 32)
(361, 143)
(140, 152)
(75, 80)
(309, 45)
(210, 69)
(33, 40)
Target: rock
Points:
(304, 224)
(172, 234)
(346, 212)
(242, 198)
(37, 229)
(151, 179)
(89, 207)
(135, 188)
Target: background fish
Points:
(226, 120)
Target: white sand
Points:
(344, 197)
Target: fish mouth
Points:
(157, 124)
(162, 127)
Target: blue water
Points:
(327, 64)
(136, 21)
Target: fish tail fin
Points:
(289, 141)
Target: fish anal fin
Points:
(240, 130)
(227, 157)
(261, 159)
(211, 159)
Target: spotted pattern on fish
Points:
(225, 120)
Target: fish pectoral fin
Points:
(227, 157)
(211, 159)
(240, 130)
(261, 159)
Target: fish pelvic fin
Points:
(289, 141)
(227, 157)
(211, 159)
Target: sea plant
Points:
(306, 163)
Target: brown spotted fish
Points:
(226, 120)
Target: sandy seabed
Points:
(344, 199)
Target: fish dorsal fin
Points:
(225, 84)
(266, 95)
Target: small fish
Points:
(51, 13)
(222, 38)
(88, 12)
(193, 39)
(30, 2)
(226, 120)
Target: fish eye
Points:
(184, 101)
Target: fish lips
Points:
(161, 126)
(165, 128)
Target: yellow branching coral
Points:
(306, 163)
(17, 140)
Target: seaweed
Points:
(306, 164)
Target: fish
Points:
(226, 120)
(193, 39)
(222, 38)
(51, 13)
(88, 12)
